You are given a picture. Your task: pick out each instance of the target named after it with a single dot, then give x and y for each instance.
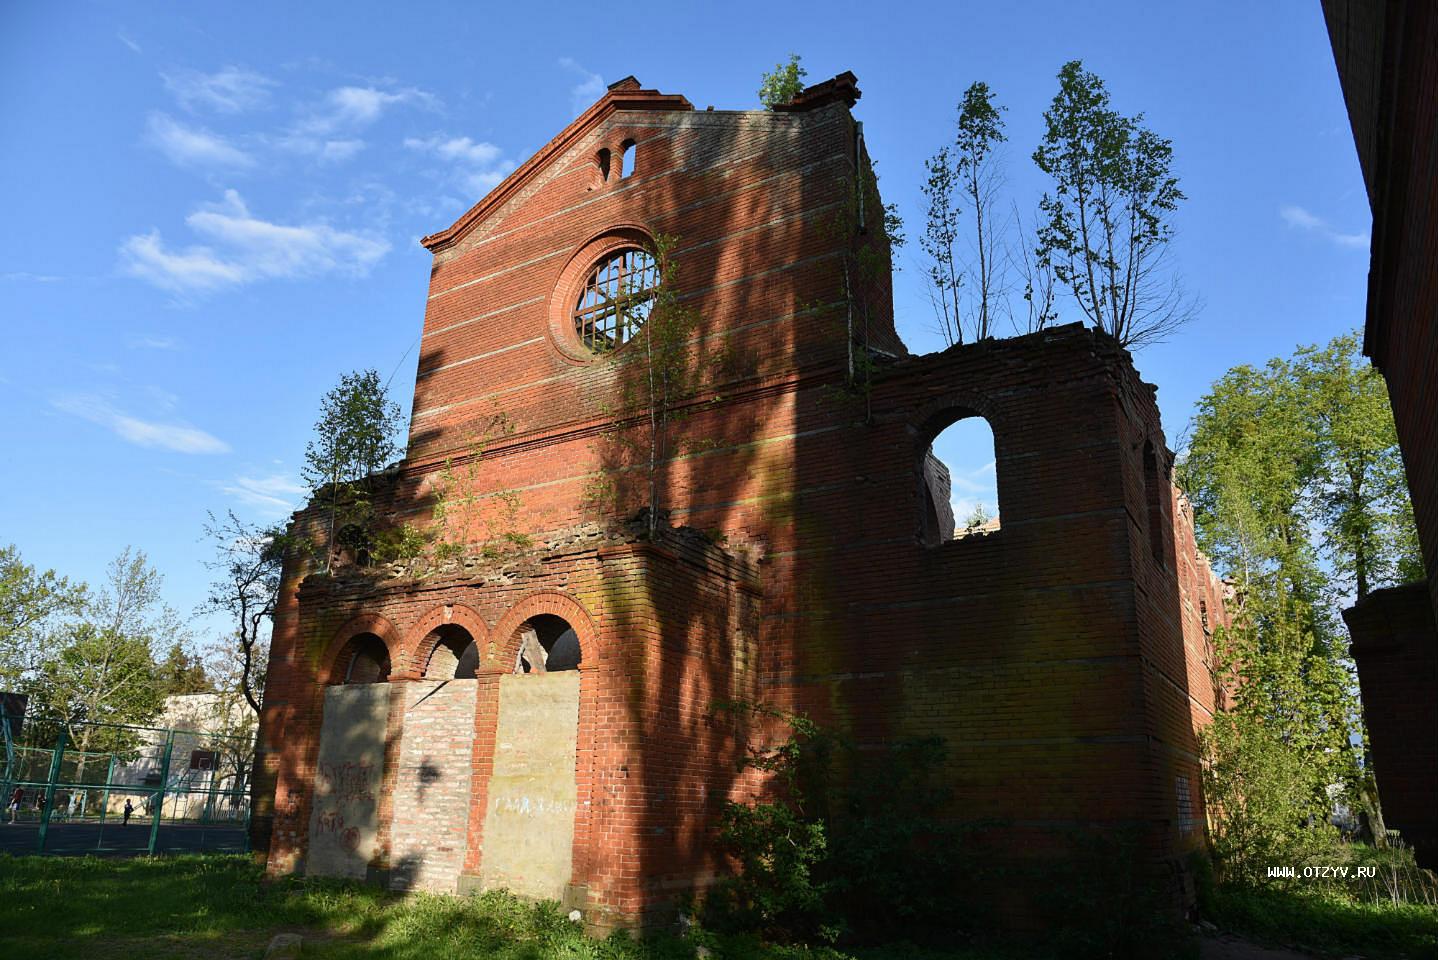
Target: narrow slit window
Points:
(1154, 490)
(602, 158)
(626, 159)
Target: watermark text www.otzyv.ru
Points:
(1322, 873)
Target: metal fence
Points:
(74, 788)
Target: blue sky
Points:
(211, 212)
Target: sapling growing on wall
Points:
(1109, 220)
(354, 439)
(783, 84)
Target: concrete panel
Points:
(432, 786)
(529, 825)
(344, 835)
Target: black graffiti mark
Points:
(347, 782)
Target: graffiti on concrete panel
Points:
(533, 806)
(344, 821)
(347, 782)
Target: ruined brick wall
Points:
(1384, 53)
(1393, 631)
(1062, 658)
(665, 633)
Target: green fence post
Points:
(49, 801)
(160, 796)
(105, 803)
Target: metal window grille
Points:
(1185, 804)
(616, 299)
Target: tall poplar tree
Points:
(1295, 478)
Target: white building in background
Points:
(212, 749)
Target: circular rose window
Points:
(616, 298)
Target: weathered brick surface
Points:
(1393, 633)
(1385, 57)
(433, 792)
(1064, 657)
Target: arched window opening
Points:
(626, 159)
(1154, 488)
(547, 644)
(455, 654)
(958, 480)
(602, 158)
(366, 660)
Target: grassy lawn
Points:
(217, 908)
(1327, 924)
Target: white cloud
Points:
(323, 150)
(277, 493)
(978, 480)
(128, 42)
(231, 90)
(24, 276)
(353, 108)
(144, 433)
(188, 147)
(249, 249)
(589, 88)
(1296, 216)
(155, 343)
(460, 149)
(478, 166)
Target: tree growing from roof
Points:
(355, 438)
(1108, 222)
(968, 168)
(783, 83)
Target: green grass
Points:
(1327, 923)
(1390, 914)
(218, 908)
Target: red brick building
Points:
(543, 717)
(1387, 57)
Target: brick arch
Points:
(505, 637)
(566, 281)
(418, 646)
(936, 416)
(929, 421)
(364, 623)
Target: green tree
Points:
(181, 673)
(939, 242)
(663, 365)
(1292, 470)
(981, 130)
(103, 669)
(1108, 222)
(355, 438)
(30, 604)
(248, 563)
(968, 166)
(783, 84)
(1358, 491)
